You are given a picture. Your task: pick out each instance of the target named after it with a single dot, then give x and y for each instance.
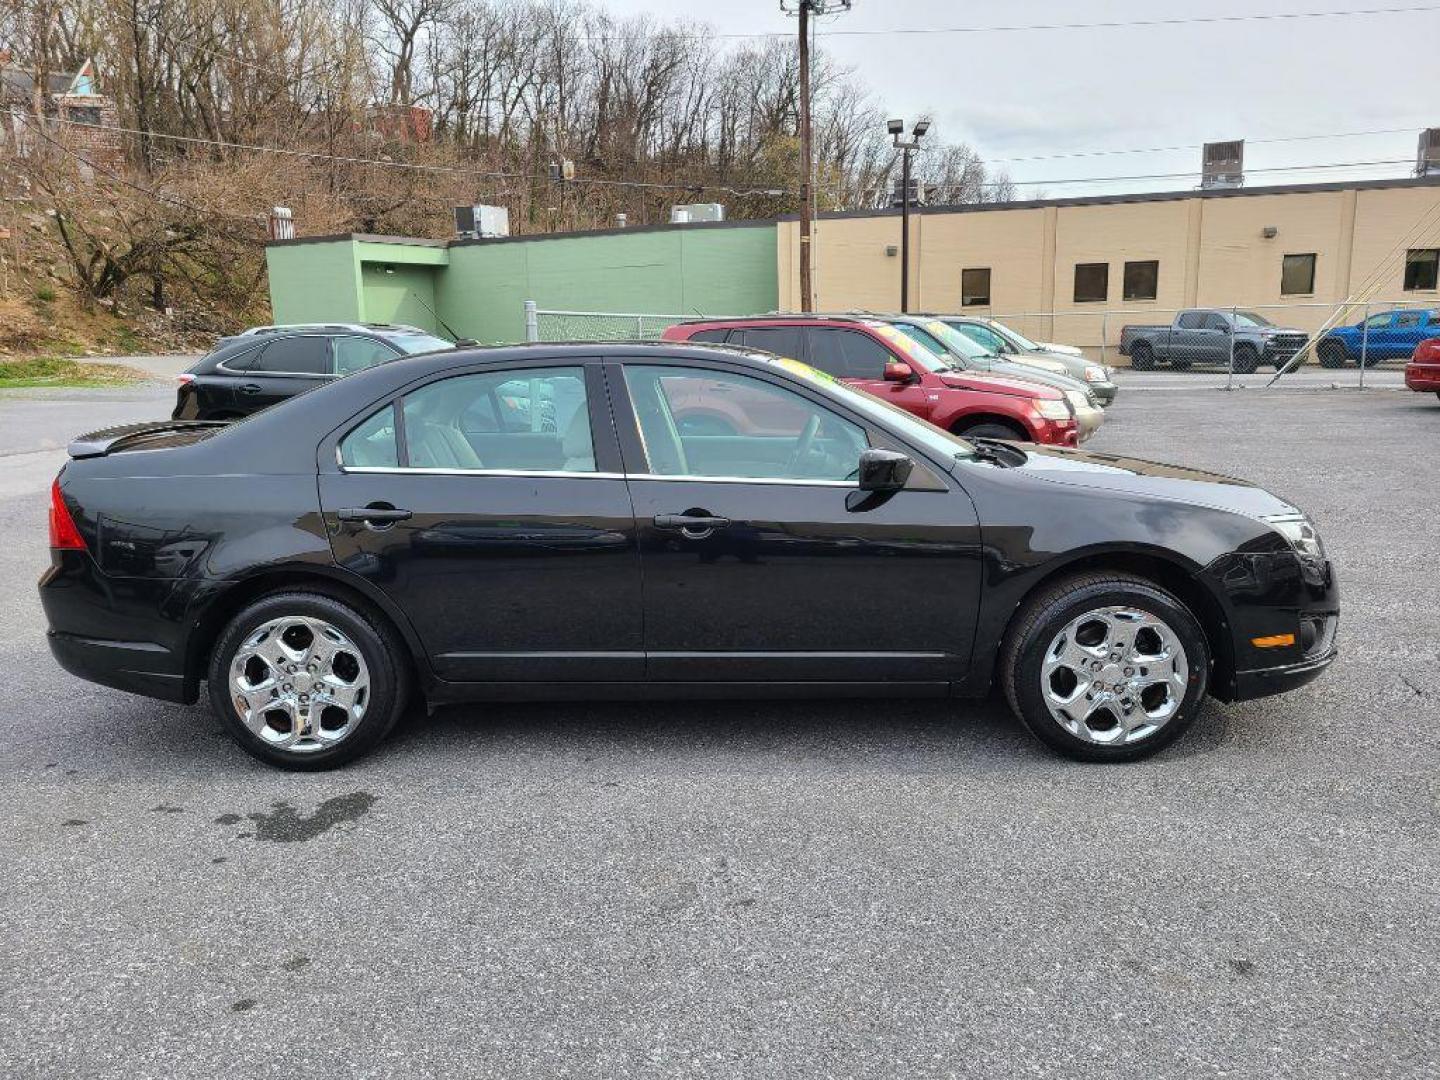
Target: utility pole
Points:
(905, 146)
(805, 9)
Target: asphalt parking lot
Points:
(904, 889)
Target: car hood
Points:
(1135, 476)
(1042, 362)
(997, 384)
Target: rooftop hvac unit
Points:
(918, 192)
(1223, 164)
(1427, 159)
(482, 222)
(688, 213)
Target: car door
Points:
(858, 358)
(759, 562)
(281, 368)
(1407, 331)
(489, 506)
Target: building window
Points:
(1092, 283)
(84, 114)
(1142, 279)
(1297, 275)
(1421, 265)
(975, 287)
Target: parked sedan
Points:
(1422, 373)
(1010, 344)
(267, 364)
(393, 536)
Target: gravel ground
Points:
(881, 889)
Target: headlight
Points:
(1054, 410)
(1301, 533)
(1094, 374)
(1079, 400)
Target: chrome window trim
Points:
(220, 367)
(786, 481)
(428, 471)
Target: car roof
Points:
(333, 327)
(781, 319)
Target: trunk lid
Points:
(149, 435)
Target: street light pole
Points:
(805, 9)
(905, 146)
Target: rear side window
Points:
(357, 353)
(716, 335)
(294, 355)
(372, 445)
(847, 354)
(1409, 318)
(780, 340)
(1191, 320)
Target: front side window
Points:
(295, 356)
(847, 354)
(1379, 322)
(705, 423)
(536, 420)
(1421, 266)
(975, 287)
(357, 353)
(1092, 283)
(1297, 275)
(1142, 279)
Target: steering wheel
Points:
(804, 443)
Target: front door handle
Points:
(694, 526)
(250, 388)
(377, 516)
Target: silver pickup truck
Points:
(1212, 336)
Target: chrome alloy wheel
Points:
(1114, 675)
(299, 684)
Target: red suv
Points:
(879, 359)
(1422, 373)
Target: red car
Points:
(1422, 373)
(879, 359)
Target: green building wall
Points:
(478, 289)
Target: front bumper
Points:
(1104, 392)
(1423, 378)
(1264, 682)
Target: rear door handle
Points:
(695, 526)
(373, 516)
(250, 388)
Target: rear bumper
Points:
(141, 667)
(1423, 377)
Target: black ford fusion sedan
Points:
(560, 521)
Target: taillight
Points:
(185, 378)
(64, 535)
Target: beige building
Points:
(1077, 270)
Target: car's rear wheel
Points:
(305, 681)
(1331, 353)
(1142, 357)
(1105, 667)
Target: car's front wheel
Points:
(1105, 667)
(304, 680)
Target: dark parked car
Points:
(252, 371)
(1386, 335)
(531, 522)
(1212, 336)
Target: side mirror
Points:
(898, 371)
(884, 470)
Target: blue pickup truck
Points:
(1386, 335)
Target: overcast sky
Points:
(1039, 92)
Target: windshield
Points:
(1249, 318)
(1016, 337)
(417, 343)
(958, 343)
(913, 349)
(905, 424)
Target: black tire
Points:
(994, 431)
(385, 659)
(1043, 617)
(1331, 353)
(1142, 357)
(1247, 361)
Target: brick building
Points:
(68, 108)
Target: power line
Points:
(1191, 174)
(486, 174)
(1115, 24)
(1197, 145)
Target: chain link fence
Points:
(1343, 340)
(546, 325)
